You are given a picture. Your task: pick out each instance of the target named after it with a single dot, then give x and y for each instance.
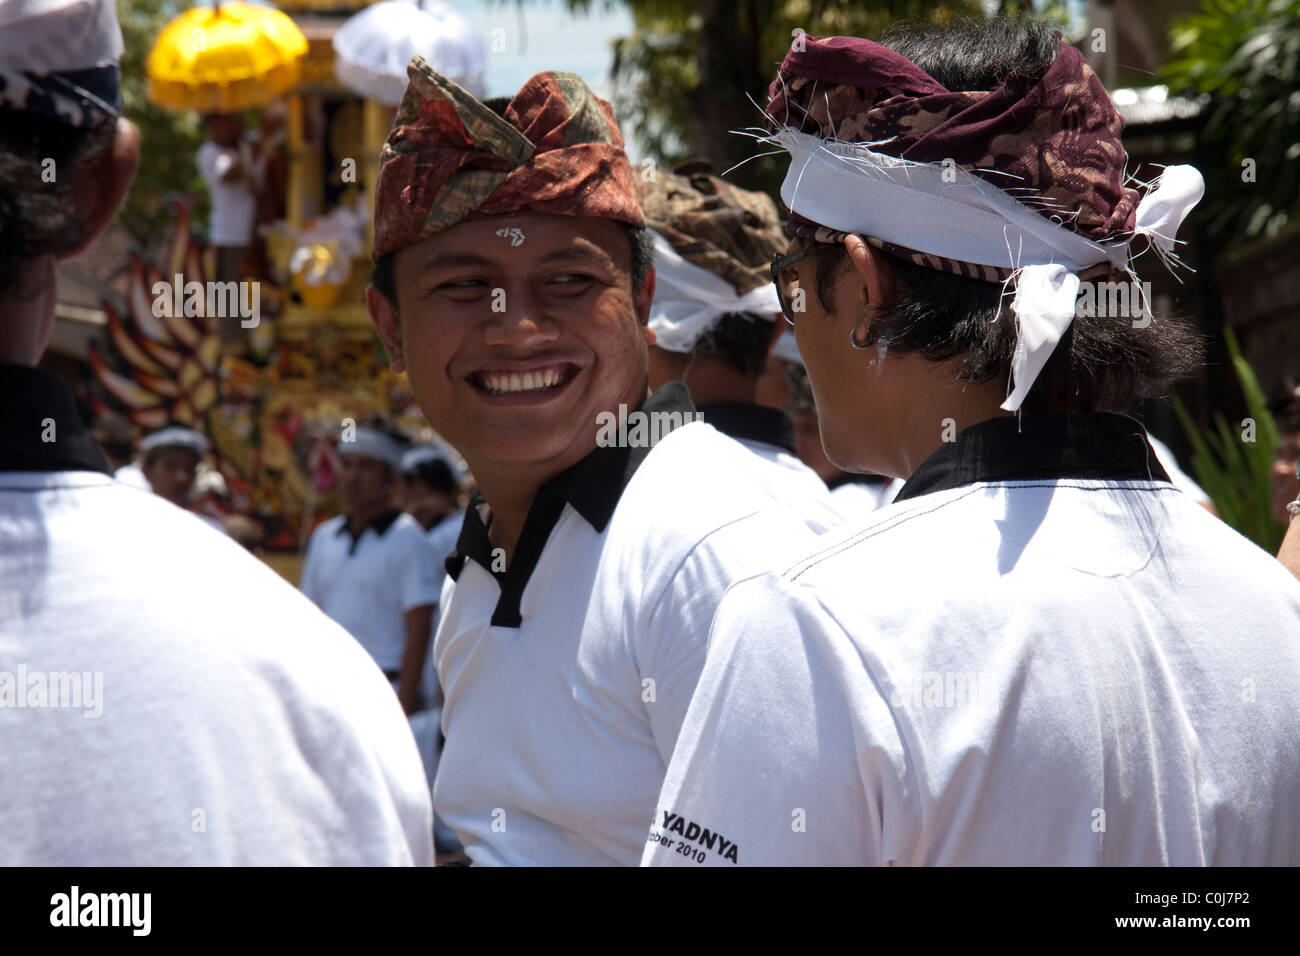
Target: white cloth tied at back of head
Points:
(787, 348)
(946, 211)
(53, 36)
(373, 444)
(689, 300)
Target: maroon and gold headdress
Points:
(557, 150)
(1023, 184)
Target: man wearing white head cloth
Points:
(1042, 652)
(371, 568)
(712, 316)
(165, 698)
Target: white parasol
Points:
(374, 46)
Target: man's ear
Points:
(389, 327)
(100, 187)
(874, 271)
(641, 302)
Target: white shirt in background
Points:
(1181, 480)
(233, 204)
(1029, 670)
(769, 435)
(857, 499)
(370, 583)
(133, 475)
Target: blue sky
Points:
(542, 35)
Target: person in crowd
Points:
(1284, 477)
(431, 495)
(117, 441)
(169, 460)
(430, 488)
(165, 699)
(1042, 652)
(247, 531)
(712, 316)
(1283, 480)
(513, 284)
(370, 568)
(229, 170)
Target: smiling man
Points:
(513, 284)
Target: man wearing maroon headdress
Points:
(1043, 652)
(513, 284)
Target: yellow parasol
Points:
(225, 59)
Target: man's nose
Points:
(519, 319)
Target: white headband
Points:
(373, 444)
(176, 437)
(689, 299)
(946, 211)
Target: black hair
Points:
(437, 474)
(37, 217)
(1285, 406)
(739, 339)
(385, 425)
(1102, 363)
(114, 436)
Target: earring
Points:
(853, 339)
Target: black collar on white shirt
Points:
(746, 421)
(592, 487)
(1050, 447)
(36, 405)
(379, 524)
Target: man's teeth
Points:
(501, 383)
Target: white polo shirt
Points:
(368, 583)
(167, 699)
(768, 434)
(1037, 656)
(856, 498)
(565, 678)
(1180, 479)
(233, 204)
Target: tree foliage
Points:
(1233, 462)
(691, 72)
(168, 141)
(1244, 55)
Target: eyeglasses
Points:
(779, 264)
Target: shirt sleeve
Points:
(417, 574)
(307, 583)
(788, 754)
(672, 648)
